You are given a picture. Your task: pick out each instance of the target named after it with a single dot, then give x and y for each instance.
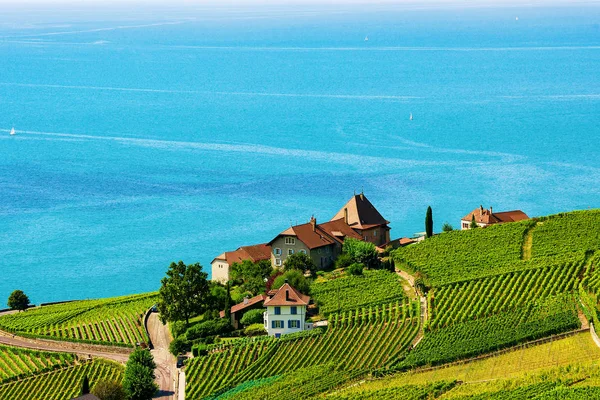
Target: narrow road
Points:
(64, 347)
(166, 372)
(422, 300)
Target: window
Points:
(277, 251)
(277, 324)
(465, 225)
(293, 323)
(290, 240)
(319, 251)
(366, 238)
(278, 262)
(375, 233)
(290, 252)
(294, 310)
(277, 310)
(302, 251)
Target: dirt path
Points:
(65, 347)
(528, 243)
(413, 294)
(166, 373)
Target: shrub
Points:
(356, 269)
(361, 252)
(179, 345)
(209, 328)
(177, 328)
(344, 261)
(109, 390)
(447, 227)
(301, 262)
(295, 278)
(255, 330)
(200, 350)
(252, 317)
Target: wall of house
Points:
(285, 316)
(377, 235)
(220, 271)
(325, 256)
(464, 227)
(279, 243)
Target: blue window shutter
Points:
(298, 322)
(272, 324)
(289, 323)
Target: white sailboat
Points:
(411, 117)
(12, 131)
(366, 38)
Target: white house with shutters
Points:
(286, 311)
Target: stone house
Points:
(285, 311)
(484, 217)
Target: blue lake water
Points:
(145, 137)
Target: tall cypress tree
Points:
(228, 303)
(429, 223)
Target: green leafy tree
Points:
(18, 300)
(85, 386)
(344, 261)
(361, 252)
(429, 223)
(301, 262)
(473, 224)
(109, 390)
(295, 278)
(447, 227)
(252, 317)
(251, 276)
(142, 357)
(184, 293)
(138, 382)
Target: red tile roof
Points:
(287, 296)
(250, 302)
(320, 235)
(488, 217)
(361, 213)
(253, 253)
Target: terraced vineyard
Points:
(465, 255)
(355, 341)
(301, 384)
(347, 293)
(113, 321)
(567, 232)
(16, 363)
(544, 318)
(61, 384)
(460, 302)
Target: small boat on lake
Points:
(411, 117)
(12, 131)
(366, 38)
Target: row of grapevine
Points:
(351, 292)
(353, 344)
(543, 318)
(459, 302)
(304, 383)
(210, 372)
(106, 321)
(62, 384)
(16, 363)
(375, 314)
(406, 392)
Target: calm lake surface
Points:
(145, 137)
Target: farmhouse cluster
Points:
(322, 242)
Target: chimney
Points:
(313, 222)
(246, 300)
(346, 215)
(286, 281)
(481, 209)
(491, 210)
(362, 195)
(287, 295)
